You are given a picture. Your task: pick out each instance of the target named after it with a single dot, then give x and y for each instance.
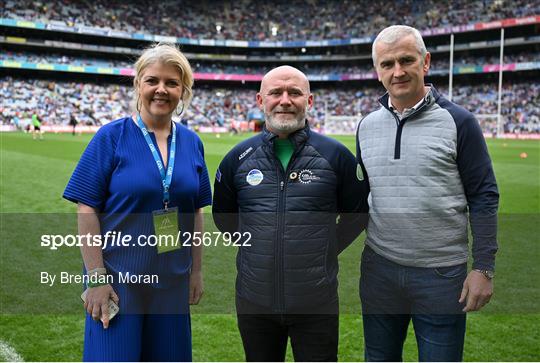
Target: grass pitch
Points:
(47, 325)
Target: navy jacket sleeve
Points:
(352, 190)
(352, 200)
(225, 206)
(478, 178)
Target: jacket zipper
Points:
(397, 146)
(278, 248)
(399, 131)
(280, 288)
(280, 283)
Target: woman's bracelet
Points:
(97, 271)
(96, 284)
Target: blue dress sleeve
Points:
(204, 197)
(90, 180)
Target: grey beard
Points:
(285, 127)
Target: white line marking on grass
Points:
(8, 354)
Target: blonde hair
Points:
(168, 54)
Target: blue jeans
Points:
(392, 295)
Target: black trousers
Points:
(314, 337)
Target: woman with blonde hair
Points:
(143, 176)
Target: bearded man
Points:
(302, 199)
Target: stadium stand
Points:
(95, 104)
(255, 20)
(66, 57)
(260, 69)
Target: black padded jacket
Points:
(299, 219)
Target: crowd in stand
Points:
(439, 62)
(257, 20)
(94, 104)
(58, 58)
(519, 105)
(55, 102)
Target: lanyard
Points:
(166, 178)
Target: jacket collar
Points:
(298, 137)
(432, 96)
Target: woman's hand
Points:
(97, 303)
(196, 287)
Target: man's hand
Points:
(477, 291)
(196, 287)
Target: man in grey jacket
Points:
(430, 175)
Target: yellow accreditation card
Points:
(166, 229)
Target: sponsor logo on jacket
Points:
(254, 177)
(243, 155)
(306, 176)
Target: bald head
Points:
(286, 72)
(284, 98)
